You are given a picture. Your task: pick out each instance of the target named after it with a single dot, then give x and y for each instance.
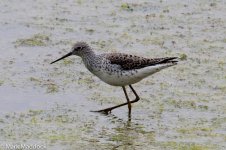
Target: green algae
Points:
(67, 62)
(185, 102)
(126, 6)
(183, 57)
(90, 31)
(224, 40)
(194, 130)
(34, 120)
(184, 146)
(33, 112)
(33, 79)
(1, 82)
(35, 40)
(50, 86)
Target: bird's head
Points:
(79, 49)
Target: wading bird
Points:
(118, 69)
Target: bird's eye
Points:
(79, 48)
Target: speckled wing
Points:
(129, 62)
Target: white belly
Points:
(129, 77)
(118, 80)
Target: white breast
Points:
(128, 77)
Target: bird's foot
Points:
(104, 111)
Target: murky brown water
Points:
(183, 107)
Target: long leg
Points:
(128, 101)
(135, 93)
(107, 110)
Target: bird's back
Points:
(122, 69)
(130, 62)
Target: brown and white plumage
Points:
(128, 62)
(119, 69)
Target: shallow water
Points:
(182, 107)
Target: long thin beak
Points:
(69, 54)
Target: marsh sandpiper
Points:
(118, 69)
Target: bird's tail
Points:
(168, 60)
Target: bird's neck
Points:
(88, 58)
(88, 54)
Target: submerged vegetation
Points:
(181, 108)
(35, 40)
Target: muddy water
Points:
(182, 107)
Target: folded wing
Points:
(129, 62)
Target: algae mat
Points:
(182, 107)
